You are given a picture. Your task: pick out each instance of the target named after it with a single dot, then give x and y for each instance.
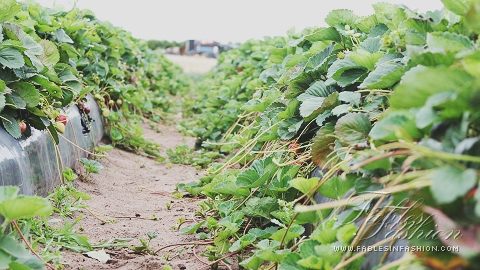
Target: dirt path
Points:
(193, 64)
(138, 187)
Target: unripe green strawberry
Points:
(105, 112)
(59, 126)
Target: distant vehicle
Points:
(205, 48)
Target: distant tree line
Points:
(163, 44)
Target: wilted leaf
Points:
(100, 255)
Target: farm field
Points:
(350, 146)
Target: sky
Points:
(222, 20)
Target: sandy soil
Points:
(126, 194)
(193, 64)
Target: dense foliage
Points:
(163, 44)
(386, 105)
(50, 59)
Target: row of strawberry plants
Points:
(386, 105)
(51, 59)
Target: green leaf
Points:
(260, 172)
(8, 192)
(472, 17)
(2, 102)
(336, 187)
(312, 107)
(420, 82)
(16, 100)
(11, 126)
(192, 229)
(325, 233)
(305, 185)
(338, 67)
(69, 175)
(277, 55)
(341, 16)
(353, 128)
(395, 125)
(289, 128)
(62, 36)
(384, 76)
(425, 117)
(260, 207)
(459, 7)
(307, 248)
(366, 24)
(341, 109)
(273, 256)
(350, 97)
(294, 231)
(51, 87)
(290, 262)
(11, 249)
(312, 262)
(309, 106)
(328, 253)
(35, 61)
(319, 61)
(263, 234)
(27, 92)
(289, 110)
(8, 10)
(24, 207)
(371, 45)
(91, 165)
(222, 241)
(50, 55)
(450, 183)
(11, 58)
(351, 76)
(295, 60)
(430, 57)
(229, 187)
(324, 34)
(25, 72)
(389, 14)
(421, 26)
(115, 134)
(346, 233)
(323, 116)
(365, 58)
(317, 89)
(252, 262)
(242, 242)
(450, 42)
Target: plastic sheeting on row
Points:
(33, 163)
(380, 232)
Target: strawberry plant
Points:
(13, 254)
(52, 61)
(384, 103)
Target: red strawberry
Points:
(22, 126)
(62, 119)
(470, 193)
(294, 146)
(87, 110)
